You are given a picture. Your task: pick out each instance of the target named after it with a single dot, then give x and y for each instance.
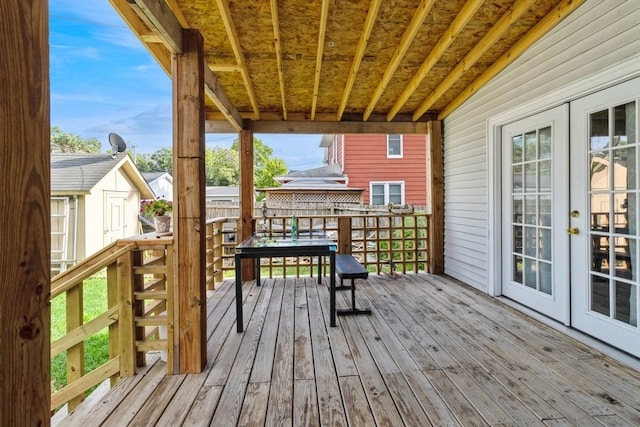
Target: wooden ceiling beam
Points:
(409, 35)
(324, 17)
(557, 14)
(142, 31)
(225, 12)
(159, 17)
(278, 47)
(487, 41)
(456, 27)
(219, 97)
(372, 14)
(316, 127)
(175, 8)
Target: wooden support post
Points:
(189, 211)
(245, 225)
(25, 229)
(344, 235)
(435, 196)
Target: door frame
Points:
(602, 80)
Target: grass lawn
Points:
(96, 347)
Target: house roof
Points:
(328, 171)
(312, 184)
(320, 66)
(78, 173)
(222, 191)
(152, 176)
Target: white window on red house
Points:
(394, 145)
(383, 193)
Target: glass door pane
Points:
(531, 204)
(613, 165)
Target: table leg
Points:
(239, 320)
(320, 259)
(332, 294)
(257, 272)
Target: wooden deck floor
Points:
(433, 352)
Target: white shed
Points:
(95, 199)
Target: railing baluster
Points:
(75, 354)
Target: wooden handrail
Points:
(139, 294)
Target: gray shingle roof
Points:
(80, 172)
(152, 176)
(329, 171)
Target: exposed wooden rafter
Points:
(486, 42)
(374, 7)
(561, 11)
(458, 24)
(225, 12)
(175, 8)
(157, 15)
(142, 31)
(268, 52)
(408, 37)
(216, 93)
(278, 46)
(321, 36)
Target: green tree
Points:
(159, 161)
(221, 166)
(265, 166)
(62, 142)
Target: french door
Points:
(604, 215)
(534, 212)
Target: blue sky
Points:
(103, 80)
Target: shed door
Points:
(114, 219)
(604, 202)
(534, 204)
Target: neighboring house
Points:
(95, 199)
(327, 184)
(541, 177)
(161, 183)
(216, 194)
(390, 168)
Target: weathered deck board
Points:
(433, 352)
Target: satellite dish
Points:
(117, 143)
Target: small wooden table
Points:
(264, 247)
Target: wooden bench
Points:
(347, 267)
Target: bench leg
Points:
(342, 287)
(353, 309)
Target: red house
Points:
(390, 168)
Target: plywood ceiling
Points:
(317, 61)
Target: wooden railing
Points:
(137, 274)
(138, 277)
(384, 243)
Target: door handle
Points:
(573, 230)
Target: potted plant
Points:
(157, 208)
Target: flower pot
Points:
(162, 224)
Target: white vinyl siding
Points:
(598, 35)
